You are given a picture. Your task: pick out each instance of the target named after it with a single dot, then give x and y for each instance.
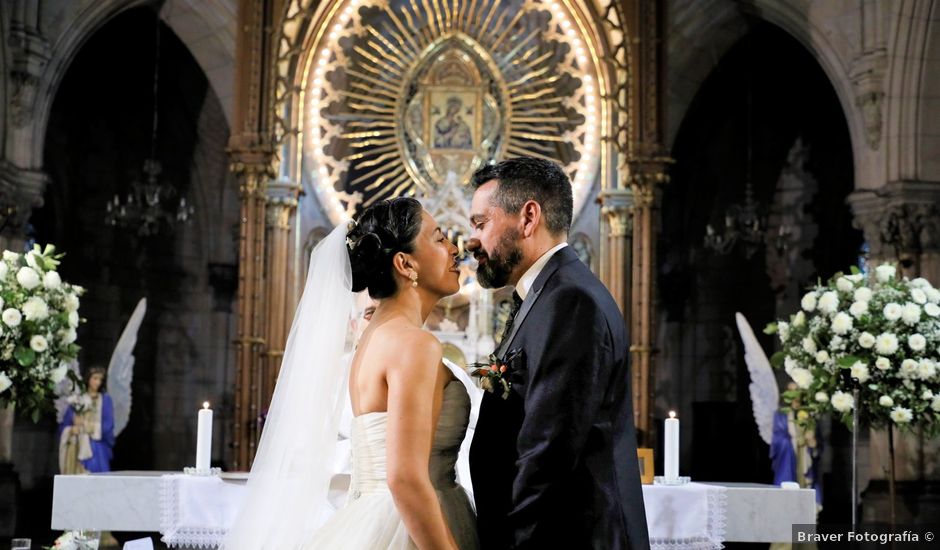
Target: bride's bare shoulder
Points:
(413, 346)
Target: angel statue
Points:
(794, 449)
(90, 421)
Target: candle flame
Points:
(672, 414)
(205, 404)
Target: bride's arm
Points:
(413, 380)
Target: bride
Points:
(410, 409)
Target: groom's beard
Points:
(496, 268)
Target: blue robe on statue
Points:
(783, 456)
(101, 441)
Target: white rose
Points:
(892, 311)
(855, 278)
(802, 377)
(71, 303)
(841, 323)
(829, 302)
(926, 369)
(886, 344)
(927, 394)
(35, 309)
(909, 368)
(32, 262)
(809, 345)
(901, 415)
(799, 319)
(862, 294)
(916, 342)
(935, 404)
(844, 285)
(842, 402)
(68, 336)
(882, 363)
(809, 301)
(885, 272)
(919, 296)
(5, 381)
(822, 397)
(885, 401)
(58, 374)
(857, 309)
(4, 270)
(920, 282)
(910, 313)
(27, 277)
(783, 329)
(822, 356)
(1, 303)
(52, 280)
(933, 295)
(10, 256)
(12, 317)
(38, 343)
(866, 340)
(860, 372)
(73, 319)
(789, 364)
(932, 309)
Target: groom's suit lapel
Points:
(559, 259)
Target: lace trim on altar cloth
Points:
(176, 529)
(717, 522)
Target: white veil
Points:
(286, 496)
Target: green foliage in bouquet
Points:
(876, 333)
(38, 322)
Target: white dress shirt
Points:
(528, 278)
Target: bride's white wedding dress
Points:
(369, 520)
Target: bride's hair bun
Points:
(381, 231)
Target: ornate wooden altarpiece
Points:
(354, 101)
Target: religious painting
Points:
(450, 112)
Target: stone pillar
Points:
(253, 170)
(901, 222)
(282, 198)
(21, 191)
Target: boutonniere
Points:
(494, 373)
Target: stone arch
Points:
(726, 22)
(92, 16)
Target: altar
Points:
(195, 511)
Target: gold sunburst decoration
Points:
(404, 96)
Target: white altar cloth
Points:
(131, 501)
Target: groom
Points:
(554, 464)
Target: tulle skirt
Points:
(370, 521)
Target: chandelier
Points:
(744, 222)
(153, 205)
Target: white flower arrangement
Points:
(876, 333)
(37, 329)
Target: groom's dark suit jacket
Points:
(555, 465)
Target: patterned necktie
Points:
(516, 303)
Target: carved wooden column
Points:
(281, 205)
(253, 169)
(253, 162)
(628, 209)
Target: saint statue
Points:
(86, 433)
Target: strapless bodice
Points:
(369, 431)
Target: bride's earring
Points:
(414, 279)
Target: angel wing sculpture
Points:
(765, 394)
(121, 368)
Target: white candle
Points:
(671, 448)
(204, 438)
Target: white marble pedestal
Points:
(130, 501)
